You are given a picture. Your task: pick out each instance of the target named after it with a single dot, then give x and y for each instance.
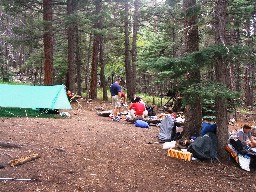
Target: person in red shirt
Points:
(137, 110)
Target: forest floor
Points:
(87, 152)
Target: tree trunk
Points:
(95, 51)
(128, 68)
(248, 75)
(87, 67)
(94, 67)
(72, 46)
(134, 45)
(248, 97)
(102, 70)
(193, 111)
(221, 71)
(48, 42)
(238, 76)
(78, 62)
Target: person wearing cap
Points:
(245, 136)
(115, 90)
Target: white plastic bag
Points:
(169, 145)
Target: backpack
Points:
(208, 127)
(150, 111)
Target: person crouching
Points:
(137, 110)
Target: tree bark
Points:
(102, 70)
(248, 75)
(78, 61)
(87, 67)
(134, 46)
(95, 51)
(193, 111)
(72, 47)
(221, 71)
(128, 69)
(48, 42)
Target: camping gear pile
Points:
(203, 147)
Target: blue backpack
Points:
(208, 127)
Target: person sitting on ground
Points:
(145, 113)
(245, 136)
(137, 110)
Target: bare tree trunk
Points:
(21, 57)
(221, 71)
(48, 42)
(238, 76)
(72, 45)
(134, 45)
(248, 97)
(95, 52)
(193, 111)
(248, 83)
(128, 68)
(78, 62)
(94, 67)
(102, 70)
(87, 67)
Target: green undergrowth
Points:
(19, 112)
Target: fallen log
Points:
(22, 160)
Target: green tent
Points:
(26, 96)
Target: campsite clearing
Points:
(87, 152)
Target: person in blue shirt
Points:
(245, 136)
(115, 90)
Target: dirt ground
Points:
(87, 152)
